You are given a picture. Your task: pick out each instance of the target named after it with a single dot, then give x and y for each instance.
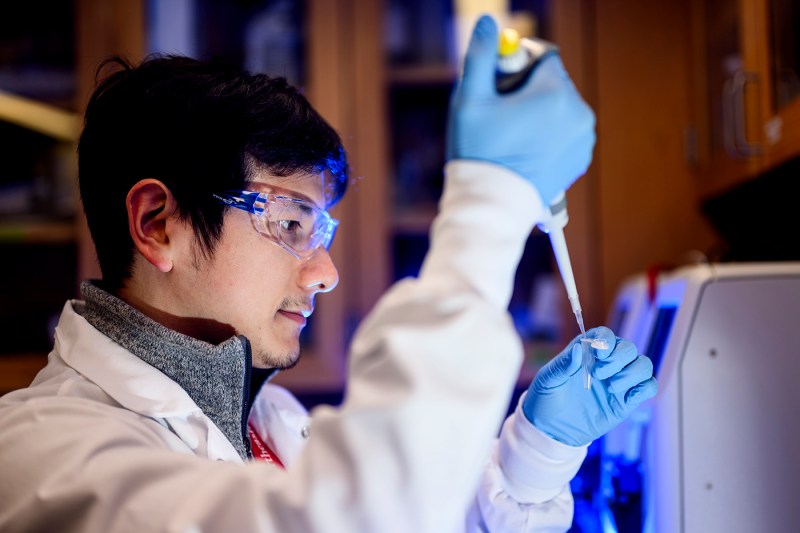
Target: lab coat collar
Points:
(215, 377)
(131, 382)
(137, 386)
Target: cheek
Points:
(245, 266)
(248, 267)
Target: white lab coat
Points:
(102, 441)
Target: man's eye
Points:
(291, 226)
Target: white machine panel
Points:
(629, 319)
(630, 310)
(724, 439)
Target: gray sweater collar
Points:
(216, 377)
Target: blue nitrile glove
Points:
(559, 406)
(543, 131)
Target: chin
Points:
(280, 361)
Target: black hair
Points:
(199, 127)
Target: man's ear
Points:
(151, 208)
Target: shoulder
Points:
(64, 410)
(31, 419)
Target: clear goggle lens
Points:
(299, 226)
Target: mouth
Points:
(299, 317)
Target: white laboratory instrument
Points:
(722, 443)
(630, 318)
(629, 315)
(620, 490)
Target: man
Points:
(205, 190)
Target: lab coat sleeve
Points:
(433, 366)
(431, 372)
(525, 486)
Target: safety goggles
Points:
(297, 226)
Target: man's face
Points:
(256, 287)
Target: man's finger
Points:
(640, 370)
(623, 354)
(477, 80)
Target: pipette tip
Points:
(586, 364)
(579, 318)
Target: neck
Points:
(156, 300)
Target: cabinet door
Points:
(748, 72)
(730, 81)
(782, 127)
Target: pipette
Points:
(554, 227)
(517, 60)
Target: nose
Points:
(319, 274)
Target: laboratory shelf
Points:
(41, 231)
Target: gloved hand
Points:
(543, 131)
(558, 405)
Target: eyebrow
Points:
(274, 189)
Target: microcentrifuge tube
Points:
(588, 345)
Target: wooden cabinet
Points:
(637, 206)
(38, 196)
(746, 84)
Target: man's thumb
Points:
(481, 59)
